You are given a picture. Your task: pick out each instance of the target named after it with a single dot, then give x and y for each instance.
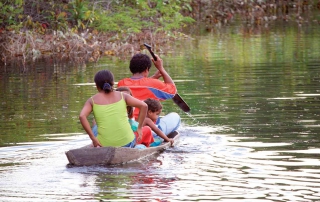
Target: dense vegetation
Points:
(107, 15)
(71, 28)
(82, 30)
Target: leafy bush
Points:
(130, 16)
(11, 13)
(133, 16)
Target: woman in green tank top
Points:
(110, 112)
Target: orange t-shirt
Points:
(144, 88)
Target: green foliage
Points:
(129, 16)
(10, 12)
(169, 14)
(133, 16)
(123, 20)
(57, 18)
(81, 13)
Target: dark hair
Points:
(104, 80)
(129, 108)
(153, 105)
(139, 63)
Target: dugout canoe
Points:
(87, 156)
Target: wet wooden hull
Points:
(87, 156)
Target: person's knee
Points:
(175, 116)
(146, 130)
(170, 122)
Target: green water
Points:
(252, 134)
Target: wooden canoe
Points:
(87, 156)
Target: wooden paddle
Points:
(176, 98)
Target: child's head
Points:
(154, 108)
(128, 91)
(139, 63)
(104, 80)
(124, 89)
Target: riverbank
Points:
(37, 40)
(24, 48)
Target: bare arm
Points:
(142, 106)
(153, 127)
(159, 65)
(156, 75)
(85, 112)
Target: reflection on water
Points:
(252, 134)
(205, 165)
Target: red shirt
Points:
(149, 88)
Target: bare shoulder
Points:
(119, 95)
(92, 98)
(148, 122)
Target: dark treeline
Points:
(81, 30)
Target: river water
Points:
(252, 134)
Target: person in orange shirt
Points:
(144, 87)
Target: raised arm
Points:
(161, 71)
(156, 75)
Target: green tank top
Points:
(113, 126)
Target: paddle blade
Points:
(181, 103)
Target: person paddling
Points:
(144, 87)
